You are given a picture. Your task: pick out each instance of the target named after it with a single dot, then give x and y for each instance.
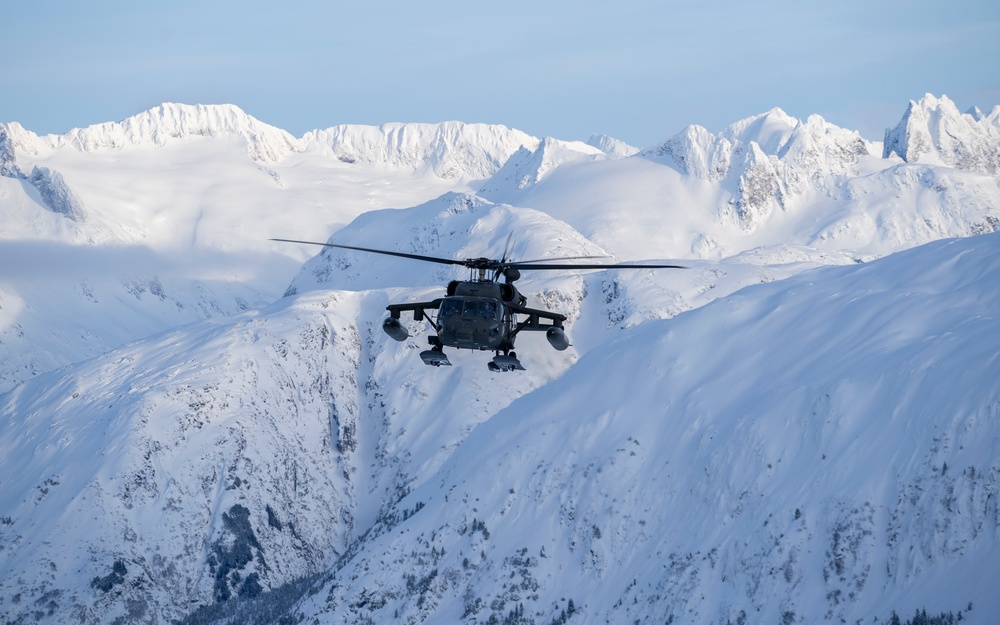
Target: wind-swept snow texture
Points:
(745, 440)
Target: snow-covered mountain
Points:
(183, 442)
(160, 125)
(821, 449)
(164, 218)
(451, 149)
(454, 225)
(527, 167)
(769, 180)
(933, 131)
(611, 146)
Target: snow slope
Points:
(222, 458)
(821, 449)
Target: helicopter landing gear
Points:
(434, 357)
(505, 362)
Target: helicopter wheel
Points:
(506, 361)
(434, 357)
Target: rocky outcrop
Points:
(934, 132)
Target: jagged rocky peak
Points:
(554, 152)
(770, 130)
(15, 139)
(813, 145)
(449, 149)
(8, 159)
(760, 188)
(694, 151)
(764, 159)
(527, 167)
(697, 152)
(56, 194)
(817, 147)
(933, 131)
(612, 147)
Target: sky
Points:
(637, 70)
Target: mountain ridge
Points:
(450, 149)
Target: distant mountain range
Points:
(201, 425)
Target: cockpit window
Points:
(485, 308)
(450, 307)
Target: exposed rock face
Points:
(527, 167)
(933, 131)
(56, 194)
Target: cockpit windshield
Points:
(450, 307)
(487, 309)
(469, 307)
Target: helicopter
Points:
(482, 313)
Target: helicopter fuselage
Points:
(477, 315)
(470, 322)
(474, 315)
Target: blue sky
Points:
(637, 70)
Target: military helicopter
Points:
(482, 313)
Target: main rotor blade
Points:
(548, 260)
(539, 264)
(503, 259)
(534, 266)
(430, 259)
(506, 247)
